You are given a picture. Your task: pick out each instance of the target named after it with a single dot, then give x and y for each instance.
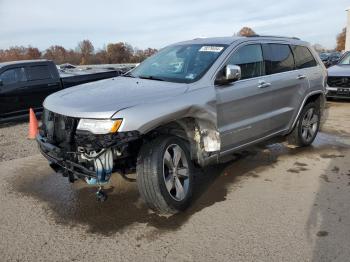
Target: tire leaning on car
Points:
(165, 174)
(307, 126)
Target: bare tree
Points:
(32, 53)
(341, 40)
(119, 53)
(101, 57)
(246, 31)
(140, 55)
(86, 49)
(73, 57)
(56, 53)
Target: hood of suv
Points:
(339, 70)
(102, 99)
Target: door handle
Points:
(263, 84)
(51, 84)
(301, 77)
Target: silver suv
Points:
(187, 106)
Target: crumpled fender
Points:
(198, 106)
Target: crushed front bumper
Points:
(59, 163)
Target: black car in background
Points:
(330, 59)
(25, 84)
(324, 56)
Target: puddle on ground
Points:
(330, 156)
(300, 164)
(297, 169)
(335, 169)
(75, 204)
(325, 178)
(322, 233)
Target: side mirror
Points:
(1, 83)
(230, 73)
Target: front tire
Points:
(307, 126)
(165, 174)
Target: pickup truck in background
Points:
(25, 84)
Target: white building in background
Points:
(347, 39)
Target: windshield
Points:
(345, 60)
(179, 63)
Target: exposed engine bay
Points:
(82, 155)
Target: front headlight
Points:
(99, 126)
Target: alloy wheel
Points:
(176, 172)
(309, 124)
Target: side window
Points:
(303, 57)
(40, 72)
(250, 59)
(12, 76)
(278, 58)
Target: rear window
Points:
(303, 57)
(40, 72)
(278, 58)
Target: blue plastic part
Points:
(93, 181)
(103, 168)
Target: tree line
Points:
(113, 53)
(83, 54)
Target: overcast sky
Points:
(156, 23)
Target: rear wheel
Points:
(165, 174)
(307, 126)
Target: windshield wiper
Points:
(128, 74)
(152, 78)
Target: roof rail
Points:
(200, 37)
(274, 36)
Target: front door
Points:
(13, 82)
(244, 106)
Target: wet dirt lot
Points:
(273, 203)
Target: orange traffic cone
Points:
(33, 125)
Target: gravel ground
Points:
(274, 204)
(14, 142)
(337, 118)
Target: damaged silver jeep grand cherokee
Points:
(188, 105)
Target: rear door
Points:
(41, 83)
(244, 106)
(288, 85)
(307, 66)
(309, 70)
(11, 99)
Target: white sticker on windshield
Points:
(208, 48)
